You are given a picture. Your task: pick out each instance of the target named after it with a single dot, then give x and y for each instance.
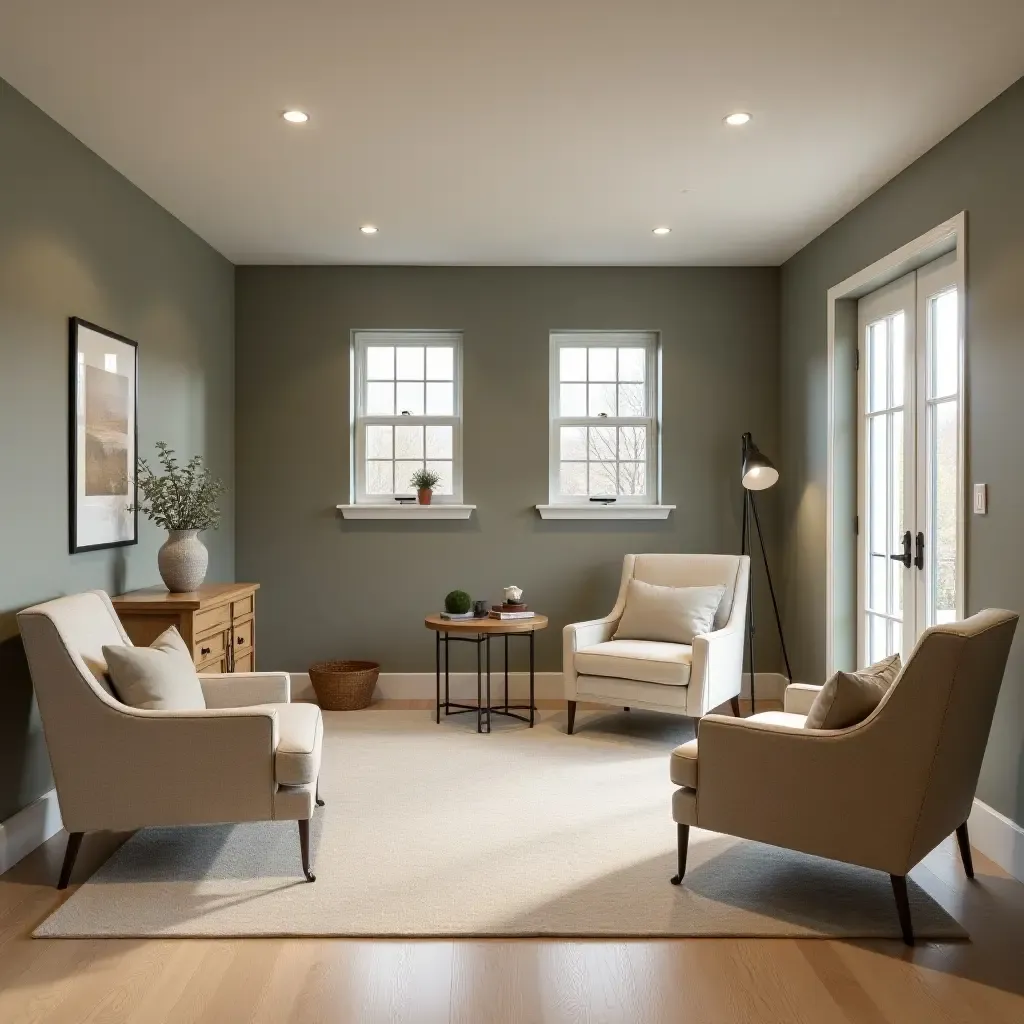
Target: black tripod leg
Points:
(750, 598)
(771, 588)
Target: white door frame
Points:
(950, 236)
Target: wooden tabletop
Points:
(160, 597)
(485, 625)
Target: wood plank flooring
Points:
(307, 981)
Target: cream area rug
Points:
(434, 830)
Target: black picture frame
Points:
(94, 523)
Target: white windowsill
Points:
(597, 510)
(406, 510)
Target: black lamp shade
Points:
(759, 473)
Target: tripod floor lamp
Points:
(758, 474)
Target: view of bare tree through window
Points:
(605, 427)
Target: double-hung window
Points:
(407, 406)
(604, 418)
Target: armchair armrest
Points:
(244, 689)
(139, 768)
(849, 794)
(593, 631)
(716, 668)
(576, 636)
(799, 698)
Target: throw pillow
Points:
(161, 677)
(849, 697)
(671, 614)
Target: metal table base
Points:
(483, 709)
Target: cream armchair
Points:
(881, 793)
(251, 755)
(676, 678)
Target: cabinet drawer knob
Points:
(204, 650)
(240, 640)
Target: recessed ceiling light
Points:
(662, 231)
(296, 116)
(740, 117)
(369, 229)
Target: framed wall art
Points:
(103, 442)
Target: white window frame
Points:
(361, 341)
(648, 340)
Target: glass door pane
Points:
(939, 351)
(885, 491)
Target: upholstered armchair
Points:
(881, 793)
(250, 755)
(681, 679)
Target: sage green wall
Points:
(77, 239)
(980, 169)
(338, 588)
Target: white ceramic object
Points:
(183, 561)
(513, 595)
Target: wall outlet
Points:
(980, 499)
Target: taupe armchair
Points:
(250, 755)
(882, 793)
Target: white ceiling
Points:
(521, 132)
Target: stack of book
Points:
(510, 611)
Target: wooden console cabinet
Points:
(218, 622)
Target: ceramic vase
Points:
(183, 560)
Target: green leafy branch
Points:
(181, 497)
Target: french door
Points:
(910, 460)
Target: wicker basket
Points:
(344, 685)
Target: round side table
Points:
(479, 632)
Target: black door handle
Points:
(905, 557)
(919, 557)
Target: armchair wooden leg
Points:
(625, 709)
(572, 715)
(304, 846)
(70, 853)
(319, 802)
(682, 841)
(964, 842)
(735, 702)
(899, 890)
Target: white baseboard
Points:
(547, 685)
(1000, 838)
(30, 827)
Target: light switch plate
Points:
(980, 499)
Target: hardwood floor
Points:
(305, 981)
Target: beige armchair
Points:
(881, 793)
(251, 755)
(677, 678)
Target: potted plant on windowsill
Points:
(183, 500)
(424, 481)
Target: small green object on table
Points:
(458, 602)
